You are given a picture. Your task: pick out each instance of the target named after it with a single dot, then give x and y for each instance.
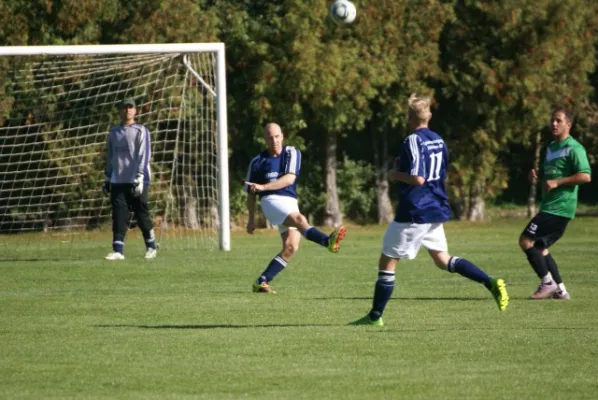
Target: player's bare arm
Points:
(282, 182)
(577, 179)
(251, 201)
(404, 177)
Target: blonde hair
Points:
(419, 109)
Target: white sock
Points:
(562, 288)
(547, 278)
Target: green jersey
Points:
(563, 159)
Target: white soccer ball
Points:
(343, 12)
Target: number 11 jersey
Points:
(423, 153)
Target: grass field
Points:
(189, 327)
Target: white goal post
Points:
(57, 104)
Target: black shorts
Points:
(545, 229)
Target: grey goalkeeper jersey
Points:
(128, 153)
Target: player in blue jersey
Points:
(272, 175)
(423, 207)
(127, 178)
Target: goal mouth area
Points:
(57, 109)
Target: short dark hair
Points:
(568, 114)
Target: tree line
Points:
(495, 71)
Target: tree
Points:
(506, 63)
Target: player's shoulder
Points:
(428, 134)
(413, 137)
(259, 156)
(572, 142)
(139, 126)
(291, 149)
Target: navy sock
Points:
(384, 288)
(469, 270)
(118, 246)
(274, 268)
(316, 236)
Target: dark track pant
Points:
(123, 202)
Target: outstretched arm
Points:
(282, 182)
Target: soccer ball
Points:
(343, 12)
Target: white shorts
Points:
(404, 239)
(277, 208)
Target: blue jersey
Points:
(266, 168)
(424, 154)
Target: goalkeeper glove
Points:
(138, 185)
(106, 186)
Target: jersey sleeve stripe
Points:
(413, 148)
(248, 176)
(293, 164)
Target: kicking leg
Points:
(332, 241)
(469, 270)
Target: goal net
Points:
(57, 105)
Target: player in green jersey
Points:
(565, 167)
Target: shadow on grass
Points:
(408, 298)
(216, 326)
(487, 298)
(385, 329)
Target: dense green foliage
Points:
(495, 70)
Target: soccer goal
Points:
(57, 104)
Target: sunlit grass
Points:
(188, 326)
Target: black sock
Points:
(554, 270)
(537, 261)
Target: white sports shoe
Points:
(113, 256)
(151, 254)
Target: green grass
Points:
(189, 326)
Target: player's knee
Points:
(441, 259)
(525, 242)
(300, 220)
(289, 250)
(545, 252)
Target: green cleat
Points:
(335, 238)
(263, 288)
(499, 292)
(368, 321)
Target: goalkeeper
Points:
(127, 178)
